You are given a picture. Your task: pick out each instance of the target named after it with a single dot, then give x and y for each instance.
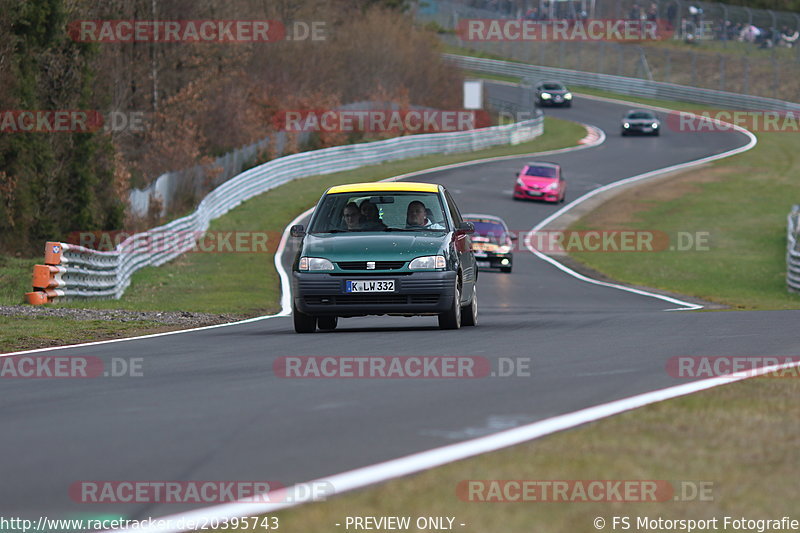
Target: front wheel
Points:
(327, 323)
(469, 313)
(451, 319)
(303, 323)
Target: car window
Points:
(552, 87)
(641, 114)
(495, 231)
(541, 171)
(454, 213)
(393, 212)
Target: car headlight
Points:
(428, 262)
(568, 96)
(314, 263)
(503, 249)
(626, 125)
(520, 182)
(553, 186)
(655, 125)
(545, 96)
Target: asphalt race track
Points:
(209, 406)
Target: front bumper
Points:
(525, 194)
(493, 260)
(552, 102)
(417, 293)
(640, 130)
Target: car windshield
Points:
(553, 87)
(641, 115)
(492, 229)
(379, 211)
(541, 171)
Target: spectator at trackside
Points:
(787, 37)
(652, 12)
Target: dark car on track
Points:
(552, 93)
(395, 248)
(640, 121)
(492, 242)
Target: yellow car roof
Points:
(387, 186)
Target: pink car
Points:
(540, 180)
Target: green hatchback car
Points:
(385, 248)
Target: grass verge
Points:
(24, 333)
(244, 284)
(738, 205)
(735, 442)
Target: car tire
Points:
(452, 318)
(657, 133)
(507, 269)
(568, 105)
(303, 323)
(327, 323)
(469, 313)
(624, 133)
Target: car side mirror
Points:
(465, 228)
(513, 236)
(297, 231)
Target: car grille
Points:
(373, 299)
(379, 265)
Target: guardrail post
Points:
(792, 253)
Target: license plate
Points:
(647, 129)
(535, 193)
(371, 285)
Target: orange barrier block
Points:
(44, 276)
(36, 297)
(52, 253)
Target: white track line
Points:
(381, 472)
(687, 306)
(418, 462)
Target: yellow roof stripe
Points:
(387, 186)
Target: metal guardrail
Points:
(623, 85)
(792, 250)
(75, 272)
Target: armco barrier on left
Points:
(71, 271)
(74, 272)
